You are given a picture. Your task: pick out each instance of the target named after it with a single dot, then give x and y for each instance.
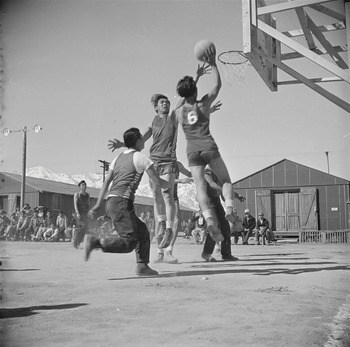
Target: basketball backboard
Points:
(265, 46)
(257, 44)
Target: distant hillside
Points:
(187, 192)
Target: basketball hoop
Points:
(235, 65)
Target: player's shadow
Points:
(226, 264)
(31, 310)
(20, 270)
(239, 270)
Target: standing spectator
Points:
(263, 230)
(81, 207)
(248, 225)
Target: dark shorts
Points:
(202, 158)
(164, 168)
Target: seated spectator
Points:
(27, 209)
(44, 225)
(263, 230)
(150, 222)
(199, 233)
(4, 223)
(33, 226)
(248, 225)
(50, 226)
(22, 225)
(60, 227)
(10, 231)
(234, 233)
(69, 230)
(191, 225)
(104, 226)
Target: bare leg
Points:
(203, 200)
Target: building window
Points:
(56, 201)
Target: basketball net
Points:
(235, 65)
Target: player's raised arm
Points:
(211, 60)
(116, 144)
(147, 134)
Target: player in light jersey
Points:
(194, 116)
(124, 177)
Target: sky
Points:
(85, 72)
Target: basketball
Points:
(200, 48)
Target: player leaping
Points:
(163, 154)
(194, 115)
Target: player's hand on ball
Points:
(210, 56)
(115, 144)
(203, 69)
(216, 107)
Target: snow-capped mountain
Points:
(186, 192)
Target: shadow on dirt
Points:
(20, 270)
(259, 272)
(31, 310)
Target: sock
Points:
(169, 225)
(161, 218)
(229, 203)
(208, 214)
(169, 249)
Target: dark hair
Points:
(156, 97)
(131, 136)
(186, 87)
(81, 182)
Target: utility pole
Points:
(105, 167)
(327, 160)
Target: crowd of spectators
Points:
(195, 229)
(40, 224)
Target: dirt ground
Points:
(288, 294)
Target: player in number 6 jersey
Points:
(194, 115)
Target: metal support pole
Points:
(327, 160)
(24, 164)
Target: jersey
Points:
(196, 128)
(83, 202)
(164, 131)
(128, 169)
